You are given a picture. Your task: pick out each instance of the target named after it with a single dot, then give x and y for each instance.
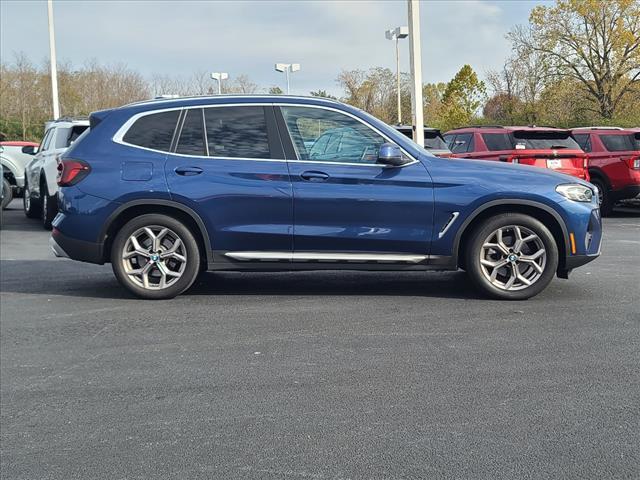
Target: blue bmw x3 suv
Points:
(165, 189)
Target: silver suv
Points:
(40, 187)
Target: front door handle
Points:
(314, 176)
(188, 171)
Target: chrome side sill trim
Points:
(328, 257)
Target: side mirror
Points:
(390, 154)
(29, 149)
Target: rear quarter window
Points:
(584, 140)
(497, 141)
(618, 143)
(154, 131)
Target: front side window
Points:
(153, 131)
(45, 141)
(237, 132)
(618, 143)
(463, 143)
(328, 136)
(191, 141)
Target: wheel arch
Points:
(547, 215)
(134, 208)
(598, 173)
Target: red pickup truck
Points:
(614, 162)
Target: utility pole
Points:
(416, 72)
(52, 60)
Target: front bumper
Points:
(81, 250)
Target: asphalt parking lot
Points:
(317, 375)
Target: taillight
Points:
(634, 162)
(70, 172)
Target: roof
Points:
(18, 143)
(610, 130)
(410, 127)
(510, 128)
(245, 98)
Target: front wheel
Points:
(512, 257)
(155, 256)
(31, 207)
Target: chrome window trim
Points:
(121, 132)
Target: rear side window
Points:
(237, 132)
(153, 131)
(584, 140)
(636, 138)
(191, 141)
(497, 141)
(463, 143)
(618, 143)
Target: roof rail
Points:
(69, 118)
(478, 126)
(598, 128)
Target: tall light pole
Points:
(416, 72)
(53, 62)
(286, 68)
(219, 76)
(396, 34)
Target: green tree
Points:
(462, 98)
(322, 94)
(275, 90)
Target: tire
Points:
(604, 197)
(32, 208)
(49, 206)
(505, 256)
(131, 268)
(7, 193)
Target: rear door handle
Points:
(188, 171)
(314, 176)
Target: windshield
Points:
(543, 140)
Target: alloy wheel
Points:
(154, 257)
(513, 258)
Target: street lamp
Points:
(396, 34)
(52, 60)
(286, 68)
(219, 76)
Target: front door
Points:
(228, 165)
(347, 207)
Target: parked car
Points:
(165, 189)
(434, 142)
(614, 162)
(40, 189)
(545, 147)
(14, 156)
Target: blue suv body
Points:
(165, 189)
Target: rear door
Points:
(227, 164)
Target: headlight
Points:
(575, 192)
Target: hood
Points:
(508, 174)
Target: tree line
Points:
(575, 63)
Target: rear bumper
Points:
(81, 250)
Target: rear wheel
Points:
(49, 206)
(30, 206)
(604, 196)
(155, 256)
(512, 256)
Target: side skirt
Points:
(287, 261)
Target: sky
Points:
(248, 37)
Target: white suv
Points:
(40, 185)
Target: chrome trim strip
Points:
(447, 225)
(121, 132)
(328, 257)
